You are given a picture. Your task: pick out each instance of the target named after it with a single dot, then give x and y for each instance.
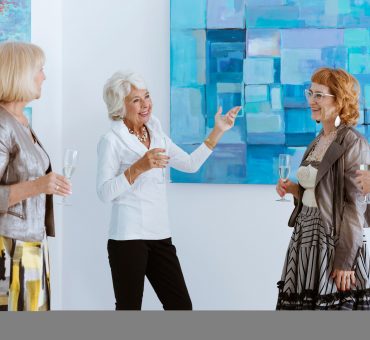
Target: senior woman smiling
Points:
(131, 158)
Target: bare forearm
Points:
(133, 172)
(21, 191)
(214, 138)
(154, 158)
(295, 190)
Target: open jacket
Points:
(337, 195)
(20, 161)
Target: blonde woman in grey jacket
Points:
(327, 265)
(27, 184)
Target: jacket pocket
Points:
(18, 210)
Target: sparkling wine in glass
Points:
(164, 146)
(284, 170)
(69, 167)
(365, 165)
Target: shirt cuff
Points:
(204, 149)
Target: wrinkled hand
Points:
(363, 181)
(54, 184)
(343, 279)
(154, 158)
(286, 187)
(226, 122)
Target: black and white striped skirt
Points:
(306, 282)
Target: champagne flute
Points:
(164, 146)
(284, 170)
(69, 167)
(365, 165)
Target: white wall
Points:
(231, 239)
(46, 31)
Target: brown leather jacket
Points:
(20, 161)
(338, 197)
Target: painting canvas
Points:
(259, 54)
(15, 20)
(15, 25)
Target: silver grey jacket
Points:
(338, 196)
(20, 161)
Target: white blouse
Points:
(139, 211)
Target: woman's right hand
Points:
(286, 187)
(54, 184)
(363, 181)
(154, 158)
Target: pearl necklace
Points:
(144, 134)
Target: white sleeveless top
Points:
(307, 173)
(307, 178)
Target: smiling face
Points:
(138, 107)
(322, 109)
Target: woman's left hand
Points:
(343, 279)
(226, 122)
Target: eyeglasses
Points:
(317, 96)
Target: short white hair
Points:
(117, 88)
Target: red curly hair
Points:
(346, 90)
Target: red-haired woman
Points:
(327, 265)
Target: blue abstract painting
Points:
(259, 54)
(15, 25)
(15, 20)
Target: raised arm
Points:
(182, 161)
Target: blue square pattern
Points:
(259, 54)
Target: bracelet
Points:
(129, 175)
(209, 143)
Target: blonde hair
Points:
(19, 65)
(346, 90)
(117, 88)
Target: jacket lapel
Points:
(309, 148)
(334, 151)
(42, 147)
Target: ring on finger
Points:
(57, 188)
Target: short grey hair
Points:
(117, 88)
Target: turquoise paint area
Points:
(259, 54)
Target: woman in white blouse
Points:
(132, 156)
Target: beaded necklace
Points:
(141, 137)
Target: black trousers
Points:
(132, 260)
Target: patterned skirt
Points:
(26, 285)
(306, 282)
